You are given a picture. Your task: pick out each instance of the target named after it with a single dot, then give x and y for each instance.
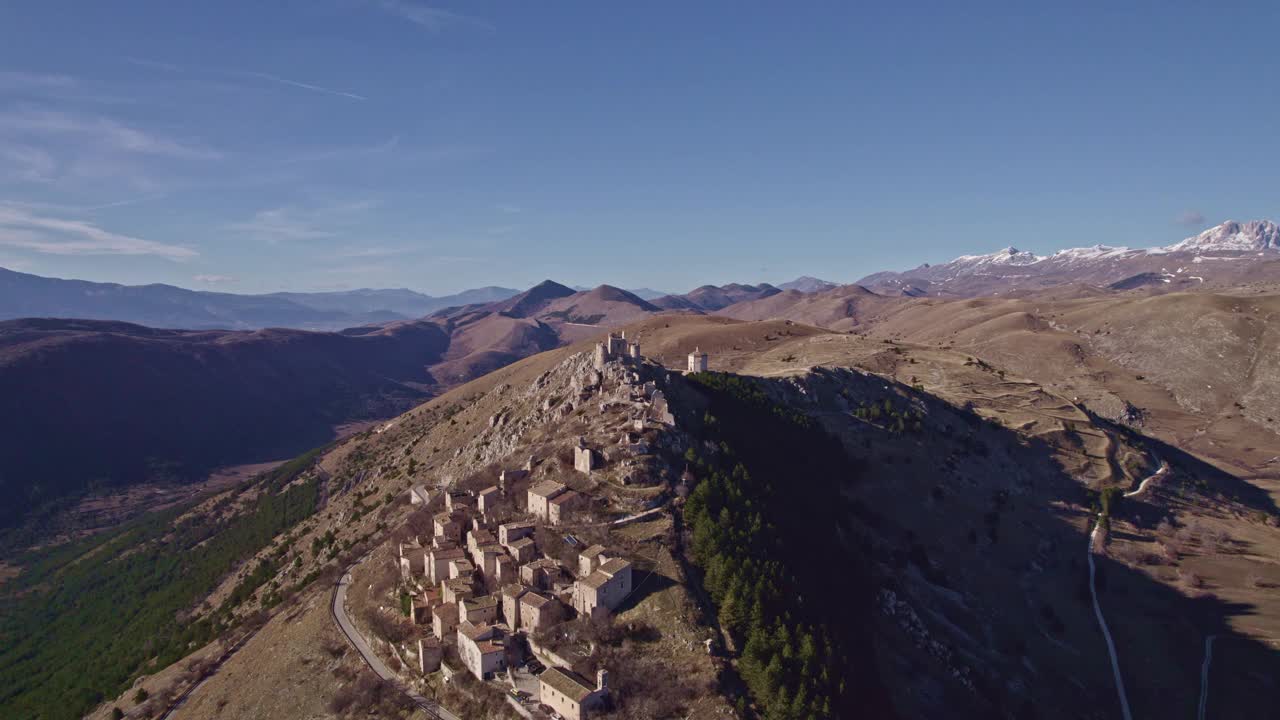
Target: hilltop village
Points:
(491, 592)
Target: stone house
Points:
(451, 591)
(538, 611)
(487, 499)
(542, 574)
(481, 650)
(479, 610)
(438, 563)
(604, 589)
(478, 537)
(508, 478)
(449, 525)
(523, 550)
(444, 621)
(423, 603)
(461, 568)
(590, 559)
(459, 500)
(505, 570)
(430, 653)
(512, 531)
(486, 557)
(569, 694)
(511, 595)
(540, 496)
(561, 507)
(412, 564)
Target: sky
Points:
(250, 146)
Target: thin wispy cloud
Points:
(354, 252)
(305, 86)
(430, 18)
(123, 203)
(281, 224)
(154, 64)
(102, 133)
(253, 74)
(25, 163)
(215, 279)
(25, 230)
(17, 80)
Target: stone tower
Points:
(583, 458)
(617, 344)
(697, 361)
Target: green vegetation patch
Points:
(772, 532)
(77, 628)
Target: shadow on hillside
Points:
(1033, 540)
(647, 583)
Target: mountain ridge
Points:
(1225, 253)
(161, 305)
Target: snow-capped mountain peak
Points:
(1093, 252)
(1007, 256)
(1232, 236)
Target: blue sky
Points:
(329, 144)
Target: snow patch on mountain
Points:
(1232, 236)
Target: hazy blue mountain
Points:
(165, 306)
(642, 293)
(807, 284)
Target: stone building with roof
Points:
(543, 574)
(562, 507)
(487, 499)
(512, 531)
(478, 610)
(569, 694)
(539, 611)
(437, 563)
(511, 594)
(444, 621)
(590, 559)
(481, 650)
(540, 496)
(604, 589)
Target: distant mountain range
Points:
(166, 306)
(1230, 253)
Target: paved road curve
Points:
(1097, 608)
(379, 668)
